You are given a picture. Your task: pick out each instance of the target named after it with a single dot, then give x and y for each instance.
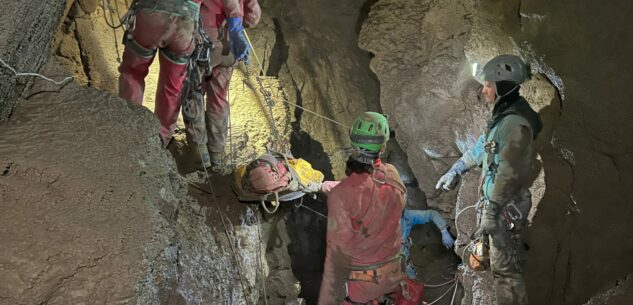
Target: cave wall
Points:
(316, 57)
(26, 32)
(78, 232)
(423, 50)
(587, 202)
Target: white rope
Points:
(459, 214)
(454, 293)
(35, 74)
(261, 68)
(316, 212)
(439, 285)
(443, 295)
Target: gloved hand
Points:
(239, 44)
(327, 186)
(447, 239)
(447, 181)
(489, 224)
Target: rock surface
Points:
(422, 53)
(75, 231)
(316, 58)
(26, 32)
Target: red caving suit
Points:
(363, 230)
(214, 12)
(168, 25)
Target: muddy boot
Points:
(216, 161)
(203, 153)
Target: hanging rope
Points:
(108, 9)
(261, 68)
(445, 294)
(259, 258)
(16, 73)
(221, 215)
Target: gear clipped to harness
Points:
(479, 258)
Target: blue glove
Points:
(447, 239)
(447, 181)
(239, 44)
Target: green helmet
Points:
(369, 132)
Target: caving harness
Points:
(175, 8)
(514, 213)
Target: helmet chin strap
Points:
(499, 97)
(364, 156)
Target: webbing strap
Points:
(178, 59)
(377, 265)
(139, 49)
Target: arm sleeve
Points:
(516, 140)
(475, 155)
(252, 13)
(424, 216)
(232, 8)
(336, 266)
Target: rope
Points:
(439, 285)
(226, 229)
(240, 267)
(110, 9)
(457, 218)
(443, 295)
(228, 99)
(259, 258)
(261, 68)
(454, 293)
(314, 211)
(35, 74)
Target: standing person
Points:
(363, 261)
(168, 26)
(224, 22)
(411, 218)
(505, 151)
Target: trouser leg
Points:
(170, 80)
(217, 113)
(507, 261)
(134, 69)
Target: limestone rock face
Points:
(95, 213)
(26, 32)
(316, 57)
(423, 50)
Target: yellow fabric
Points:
(305, 172)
